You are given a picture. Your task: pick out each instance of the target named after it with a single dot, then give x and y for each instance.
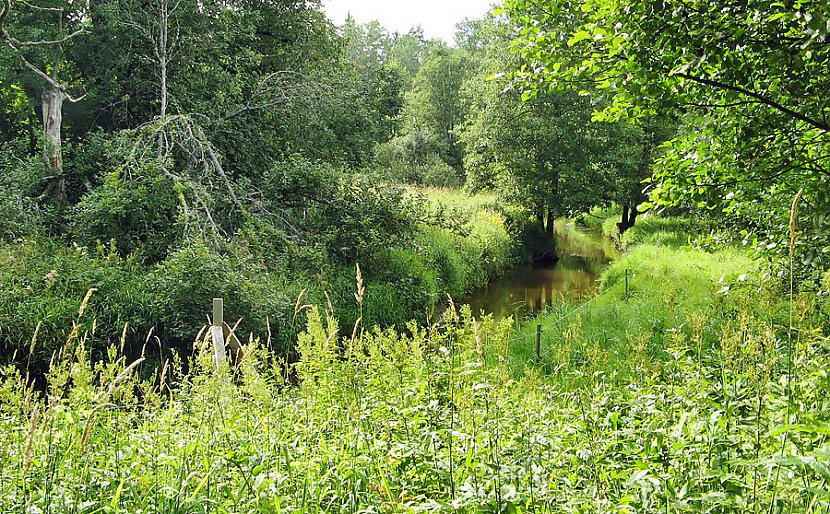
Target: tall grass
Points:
(417, 422)
(673, 289)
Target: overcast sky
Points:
(437, 17)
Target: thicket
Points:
(435, 420)
(413, 249)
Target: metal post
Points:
(538, 343)
(626, 286)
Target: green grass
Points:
(672, 288)
(465, 241)
(688, 400)
(457, 198)
(410, 423)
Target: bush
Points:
(415, 159)
(351, 216)
(20, 214)
(44, 283)
(140, 215)
(184, 285)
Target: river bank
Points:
(51, 291)
(674, 289)
(438, 420)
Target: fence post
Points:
(538, 343)
(217, 332)
(626, 285)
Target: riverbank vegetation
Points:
(689, 399)
(341, 187)
(674, 290)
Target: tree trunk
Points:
(629, 218)
(164, 15)
(52, 105)
(550, 224)
(632, 216)
(622, 226)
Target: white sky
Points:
(437, 17)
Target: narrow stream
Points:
(528, 289)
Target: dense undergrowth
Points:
(432, 421)
(453, 245)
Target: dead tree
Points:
(54, 91)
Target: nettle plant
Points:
(428, 420)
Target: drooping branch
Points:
(181, 138)
(760, 98)
(277, 88)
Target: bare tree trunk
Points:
(52, 109)
(164, 18)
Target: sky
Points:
(437, 17)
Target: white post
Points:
(217, 332)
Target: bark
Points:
(52, 110)
(550, 225)
(622, 226)
(164, 18)
(632, 217)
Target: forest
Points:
(577, 260)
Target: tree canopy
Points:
(748, 78)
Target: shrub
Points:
(140, 215)
(20, 214)
(184, 285)
(44, 283)
(351, 216)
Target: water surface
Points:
(528, 289)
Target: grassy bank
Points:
(674, 290)
(387, 422)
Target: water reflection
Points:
(526, 290)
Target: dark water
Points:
(526, 290)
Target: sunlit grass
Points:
(671, 287)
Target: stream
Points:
(528, 289)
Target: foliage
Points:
(429, 421)
(351, 216)
(746, 76)
(44, 284)
(262, 273)
(466, 243)
(543, 152)
(674, 289)
(411, 159)
(20, 215)
(139, 216)
(184, 285)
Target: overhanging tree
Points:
(749, 76)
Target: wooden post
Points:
(538, 343)
(217, 331)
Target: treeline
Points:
(166, 152)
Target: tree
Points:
(539, 153)
(52, 27)
(435, 106)
(749, 79)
